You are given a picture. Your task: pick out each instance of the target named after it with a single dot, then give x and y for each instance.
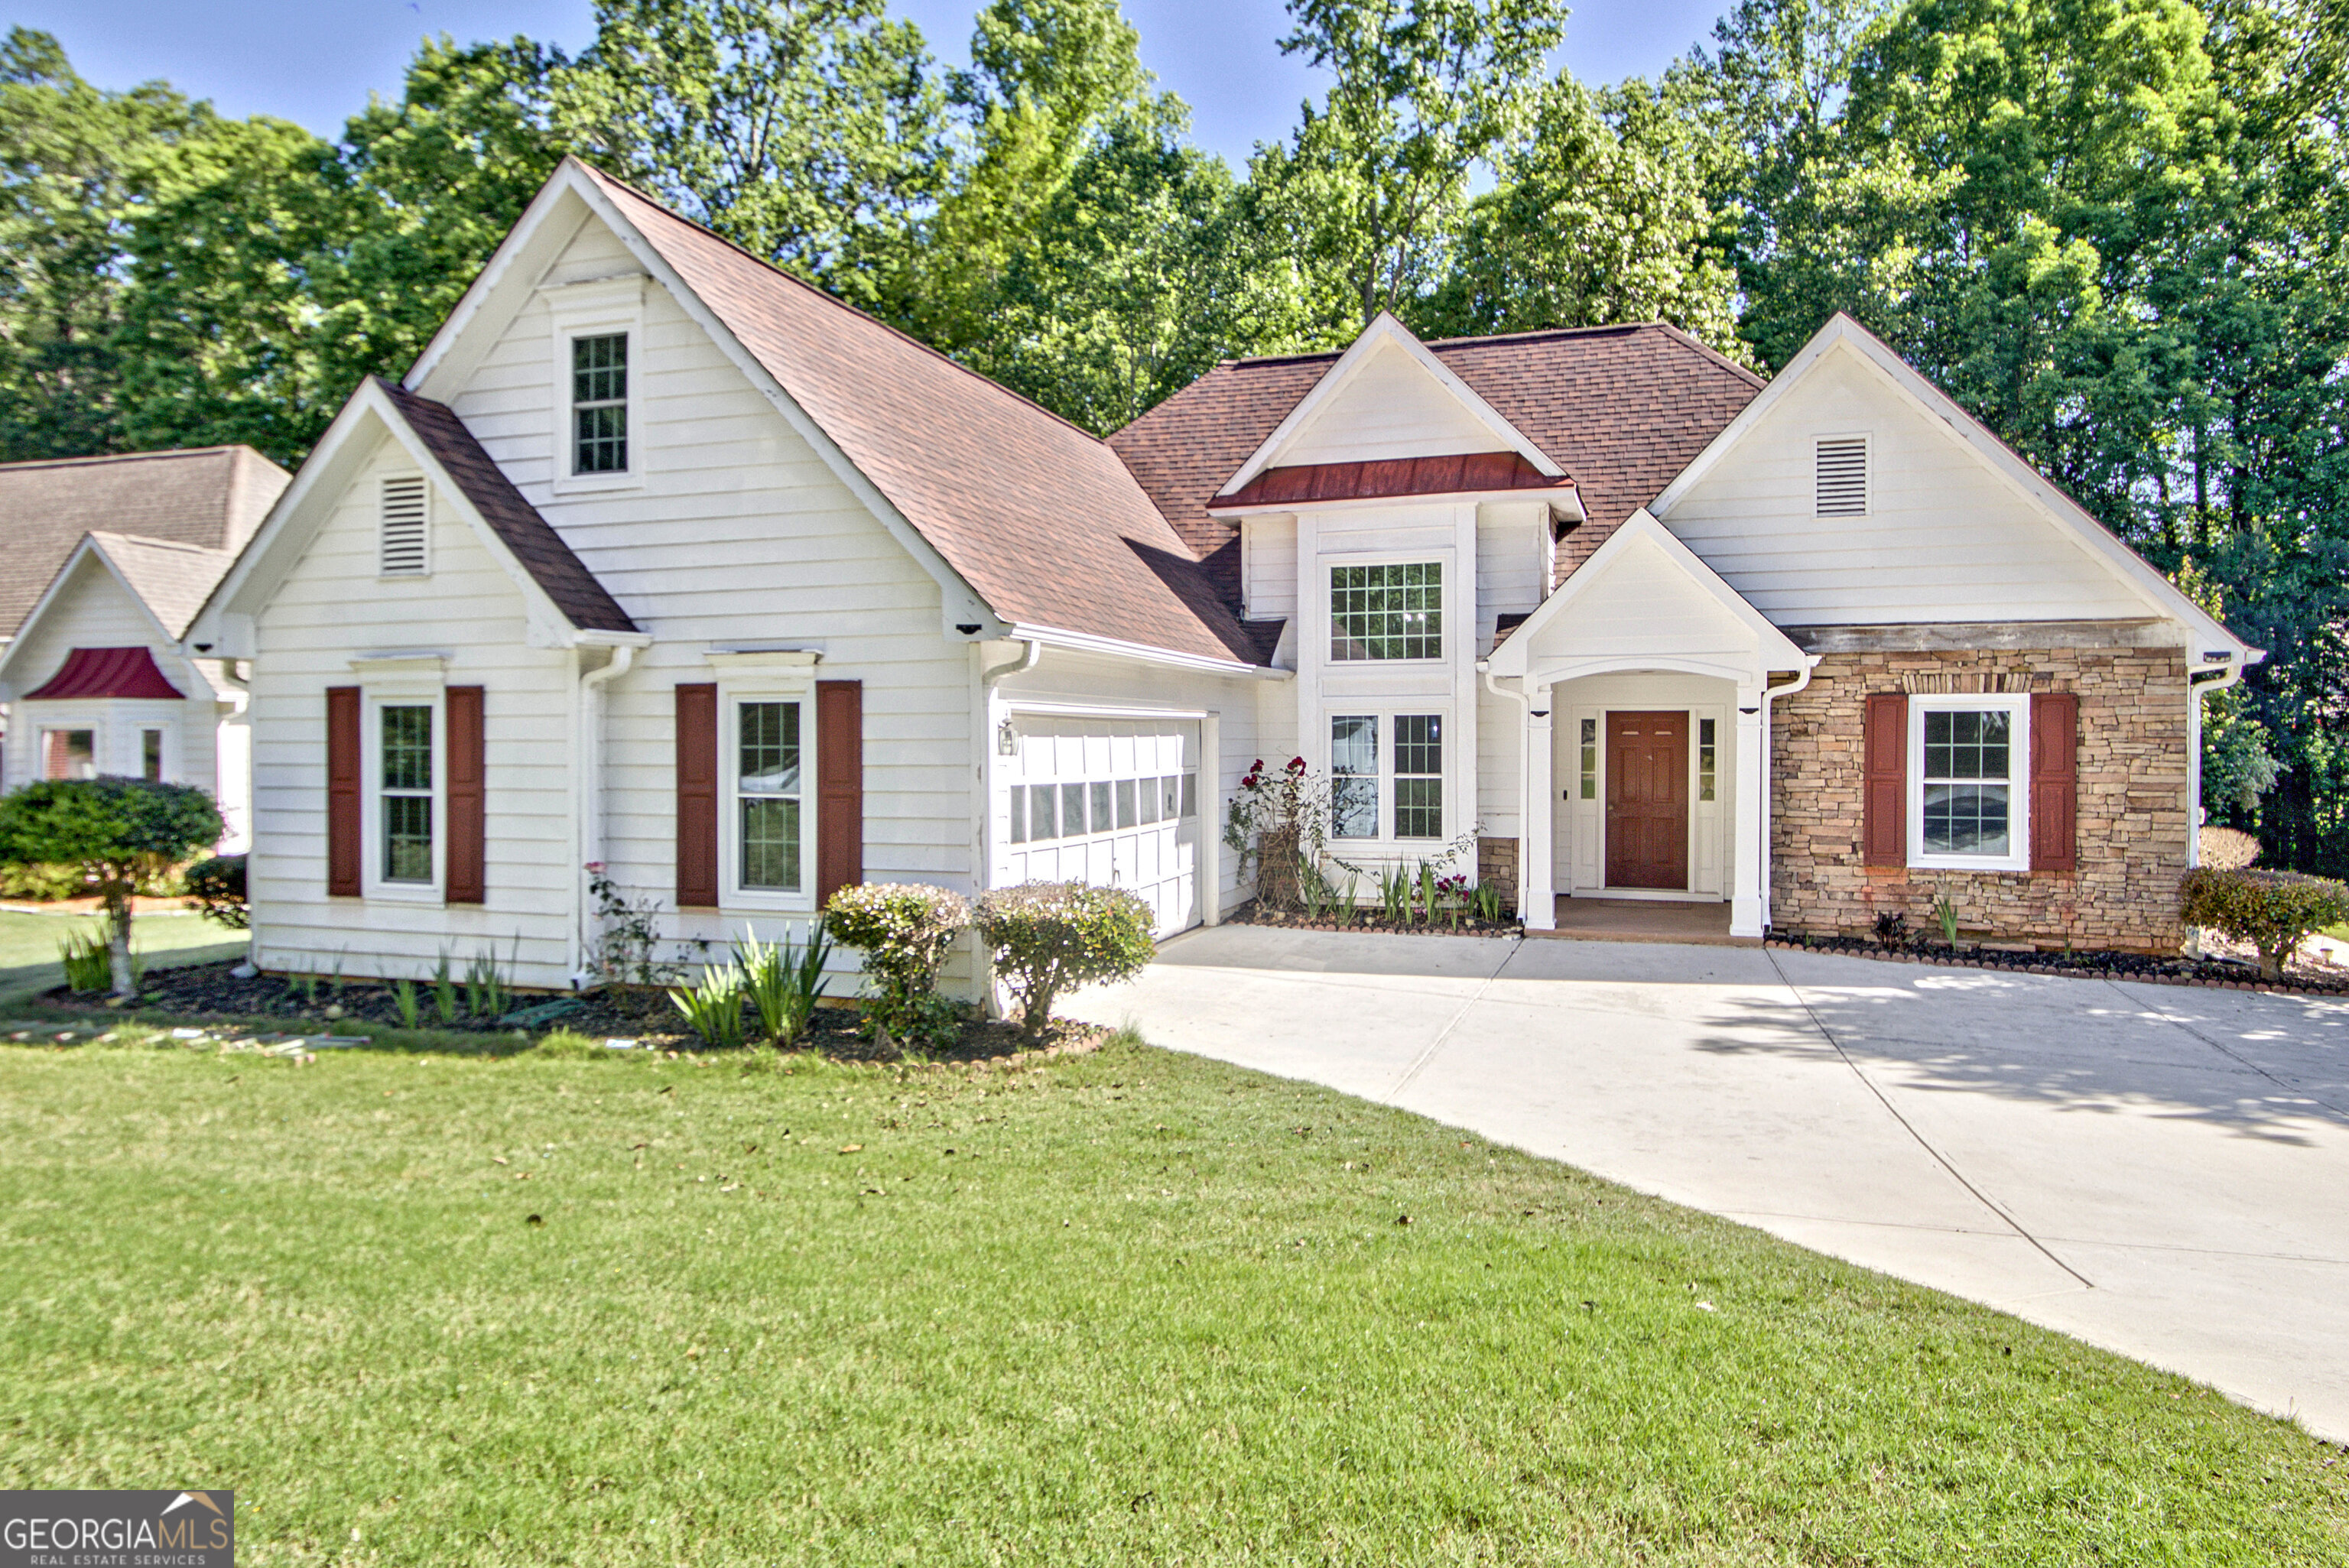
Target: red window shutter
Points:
(840, 787)
(343, 832)
(697, 797)
(1884, 789)
(469, 837)
(2054, 781)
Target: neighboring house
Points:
(661, 559)
(106, 560)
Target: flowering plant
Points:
(1277, 820)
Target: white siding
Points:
(1269, 567)
(335, 607)
(1389, 407)
(1946, 540)
(1642, 601)
(1512, 563)
(93, 610)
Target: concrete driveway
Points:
(2160, 1170)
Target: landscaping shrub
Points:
(1048, 938)
(216, 886)
(42, 883)
(1275, 823)
(784, 981)
(903, 930)
(714, 1008)
(2228, 848)
(2272, 911)
(127, 835)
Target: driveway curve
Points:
(2159, 1171)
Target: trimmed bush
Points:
(903, 930)
(216, 886)
(2272, 911)
(126, 835)
(42, 883)
(1048, 938)
(2228, 848)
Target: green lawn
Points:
(1132, 1307)
(28, 945)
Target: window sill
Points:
(734, 899)
(1968, 864)
(590, 484)
(403, 893)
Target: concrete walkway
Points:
(2160, 1170)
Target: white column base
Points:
(1751, 856)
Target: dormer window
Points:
(599, 403)
(1391, 611)
(402, 532)
(1842, 476)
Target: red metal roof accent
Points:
(1462, 472)
(108, 672)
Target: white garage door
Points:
(1108, 800)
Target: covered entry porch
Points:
(1644, 684)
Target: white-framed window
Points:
(70, 753)
(766, 823)
(403, 527)
(1386, 775)
(599, 403)
(1840, 476)
(1968, 782)
(403, 750)
(150, 755)
(1388, 610)
(598, 355)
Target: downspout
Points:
(2200, 684)
(990, 717)
(1525, 803)
(1770, 695)
(591, 792)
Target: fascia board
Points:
(1563, 498)
(1086, 642)
(1385, 329)
(1773, 392)
(57, 591)
(1774, 648)
(952, 586)
(497, 271)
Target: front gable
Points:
(89, 605)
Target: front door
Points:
(1647, 800)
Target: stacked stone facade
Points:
(1496, 867)
(2134, 810)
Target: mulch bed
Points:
(213, 992)
(2300, 979)
(1253, 913)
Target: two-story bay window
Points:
(1967, 781)
(1387, 612)
(599, 403)
(768, 785)
(1395, 791)
(404, 806)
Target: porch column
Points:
(1751, 856)
(1537, 819)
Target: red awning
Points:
(1471, 472)
(108, 672)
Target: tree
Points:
(1368, 188)
(126, 835)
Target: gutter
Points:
(2200, 684)
(1770, 695)
(1086, 642)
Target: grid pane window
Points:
(69, 754)
(1387, 612)
(406, 794)
(1968, 782)
(599, 403)
(1419, 776)
(768, 794)
(1354, 776)
(1589, 761)
(1708, 757)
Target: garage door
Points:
(1113, 801)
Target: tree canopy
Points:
(2113, 228)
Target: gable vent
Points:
(403, 526)
(1843, 476)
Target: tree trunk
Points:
(118, 917)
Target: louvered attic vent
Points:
(403, 529)
(1843, 476)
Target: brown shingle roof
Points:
(541, 552)
(209, 496)
(1461, 472)
(173, 579)
(1622, 408)
(1038, 516)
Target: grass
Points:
(577, 1306)
(28, 945)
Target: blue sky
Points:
(315, 61)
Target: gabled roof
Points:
(1844, 332)
(1039, 517)
(172, 580)
(1620, 408)
(1464, 473)
(531, 539)
(1385, 332)
(209, 496)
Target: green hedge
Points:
(2272, 911)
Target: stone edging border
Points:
(2063, 971)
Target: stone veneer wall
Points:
(2133, 807)
(1496, 866)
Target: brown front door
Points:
(1647, 800)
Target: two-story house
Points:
(661, 560)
